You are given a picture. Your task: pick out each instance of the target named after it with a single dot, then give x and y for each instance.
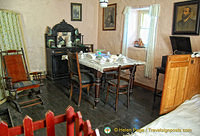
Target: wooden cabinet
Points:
(182, 81)
(57, 65)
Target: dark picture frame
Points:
(186, 18)
(76, 12)
(109, 17)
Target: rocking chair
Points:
(17, 79)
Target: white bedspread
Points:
(184, 118)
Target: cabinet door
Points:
(193, 80)
(60, 67)
(175, 84)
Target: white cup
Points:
(124, 60)
(93, 56)
(82, 56)
(110, 60)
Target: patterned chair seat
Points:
(25, 84)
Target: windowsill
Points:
(136, 48)
(137, 53)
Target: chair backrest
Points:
(118, 77)
(14, 65)
(130, 74)
(131, 79)
(73, 64)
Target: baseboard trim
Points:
(145, 86)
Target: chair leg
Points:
(39, 91)
(128, 98)
(131, 87)
(108, 88)
(17, 106)
(40, 99)
(88, 90)
(116, 101)
(71, 91)
(11, 99)
(79, 98)
(103, 83)
(155, 90)
(16, 95)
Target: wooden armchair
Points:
(17, 78)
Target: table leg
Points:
(97, 88)
(133, 77)
(134, 70)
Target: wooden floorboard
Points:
(56, 98)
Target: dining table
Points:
(102, 63)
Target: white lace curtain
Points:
(125, 34)
(10, 37)
(154, 13)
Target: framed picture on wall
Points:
(76, 12)
(186, 18)
(109, 17)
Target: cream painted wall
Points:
(38, 14)
(112, 40)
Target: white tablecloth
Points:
(96, 64)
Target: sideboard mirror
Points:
(63, 35)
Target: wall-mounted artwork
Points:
(76, 12)
(109, 17)
(186, 18)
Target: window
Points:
(138, 24)
(143, 25)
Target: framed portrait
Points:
(186, 18)
(76, 12)
(109, 17)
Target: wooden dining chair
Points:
(17, 79)
(106, 76)
(121, 85)
(81, 78)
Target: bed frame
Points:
(72, 118)
(182, 81)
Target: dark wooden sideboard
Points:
(57, 65)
